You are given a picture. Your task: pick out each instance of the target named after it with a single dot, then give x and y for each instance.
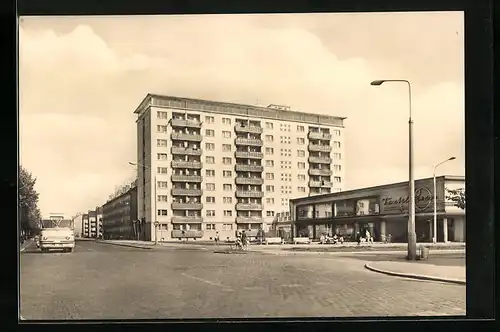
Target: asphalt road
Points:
(103, 281)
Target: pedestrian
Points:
(244, 239)
(217, 238)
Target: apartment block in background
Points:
(119, 217)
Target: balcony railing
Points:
(186, 192)
(187, 220)
(320, 184)
(320, 160)
(319, 135)
(249, 168)
(248, 129)
(186, 164)
(249, 155)
(186, 234)
(186, 123)
(320, 147)
(249, 180)
(249, 220)
(248, 141)
(188, 152)
(248, 206)
(186, 137)
(187, 206)
(248, 232)
(321, 172)
(249, 194)
(186, 178)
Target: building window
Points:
(209, 119)
(270, 188)
(161, 142)
(162, 170)
(336, 132)
(270, 213)
(161, 115)
(301, 177)
(209, 132)
(300, 128)
(162, 184)
(227, 200)
(269, 151)
(269, 176)
(269, 138)
(301, 165)
(210, 146)
(162, 156)
(301, 140)
(337, 156)
(210, 213)
(162, 198)
(226, 147)
(301, 189)
(162, 212)
(269, 163)
(227, 227)
(210, 199)
(226, 121)
(164, 227)
(210, 227)
(210, 160)
(269, 125)
(161, 128)
(226, 161)
(336, 144)
(301, 153)
(227, 174)
(210, 173)
(227, 187)
(226, 134)
(210, 186)
(269, 200)
(228, 213)
(337, 168)
(337, 179)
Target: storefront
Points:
(383, 211)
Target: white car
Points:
(57, 239)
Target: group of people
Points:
(325, 238)
(364, 237)
(242, 240)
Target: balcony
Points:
(186, 137)
(187, 206)
(248, 141)
(320, 147)
(186, 192)
(248, 232)
(320, 172)
(187, 178)
(186, 164)
(187, 234)
(249, 180)
(186, 152)
(320, 160)
(320, 184)
(249, 206)
(187, 220)
(249, 155)
(186, 123)
(249, 168)
(248, 129)
(249, 220)
(319, 135)
(249, 194)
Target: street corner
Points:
(129, 245)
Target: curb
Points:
(126, 245)
(416, 276)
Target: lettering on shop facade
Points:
(424, 200)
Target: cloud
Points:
(78, 91)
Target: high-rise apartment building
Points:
(229, 167)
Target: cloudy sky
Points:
(80, 79)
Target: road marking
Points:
(207, 281)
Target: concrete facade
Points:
(222, 167)
(118, 216)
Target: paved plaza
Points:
(103, 281)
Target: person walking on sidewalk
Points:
(217, 239)
(244, 240)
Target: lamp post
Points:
(155, 223)
(434, 235)
(412, 241)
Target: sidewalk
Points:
(421, 271)
(25, 245)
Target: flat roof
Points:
(383, 186)
(119, 196)
(211, 106)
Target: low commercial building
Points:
(383, 211)
(119, 217)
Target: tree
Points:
(29, 213)
(457, 196)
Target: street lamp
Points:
(412, 241)
(434, 237)
(156, 223)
